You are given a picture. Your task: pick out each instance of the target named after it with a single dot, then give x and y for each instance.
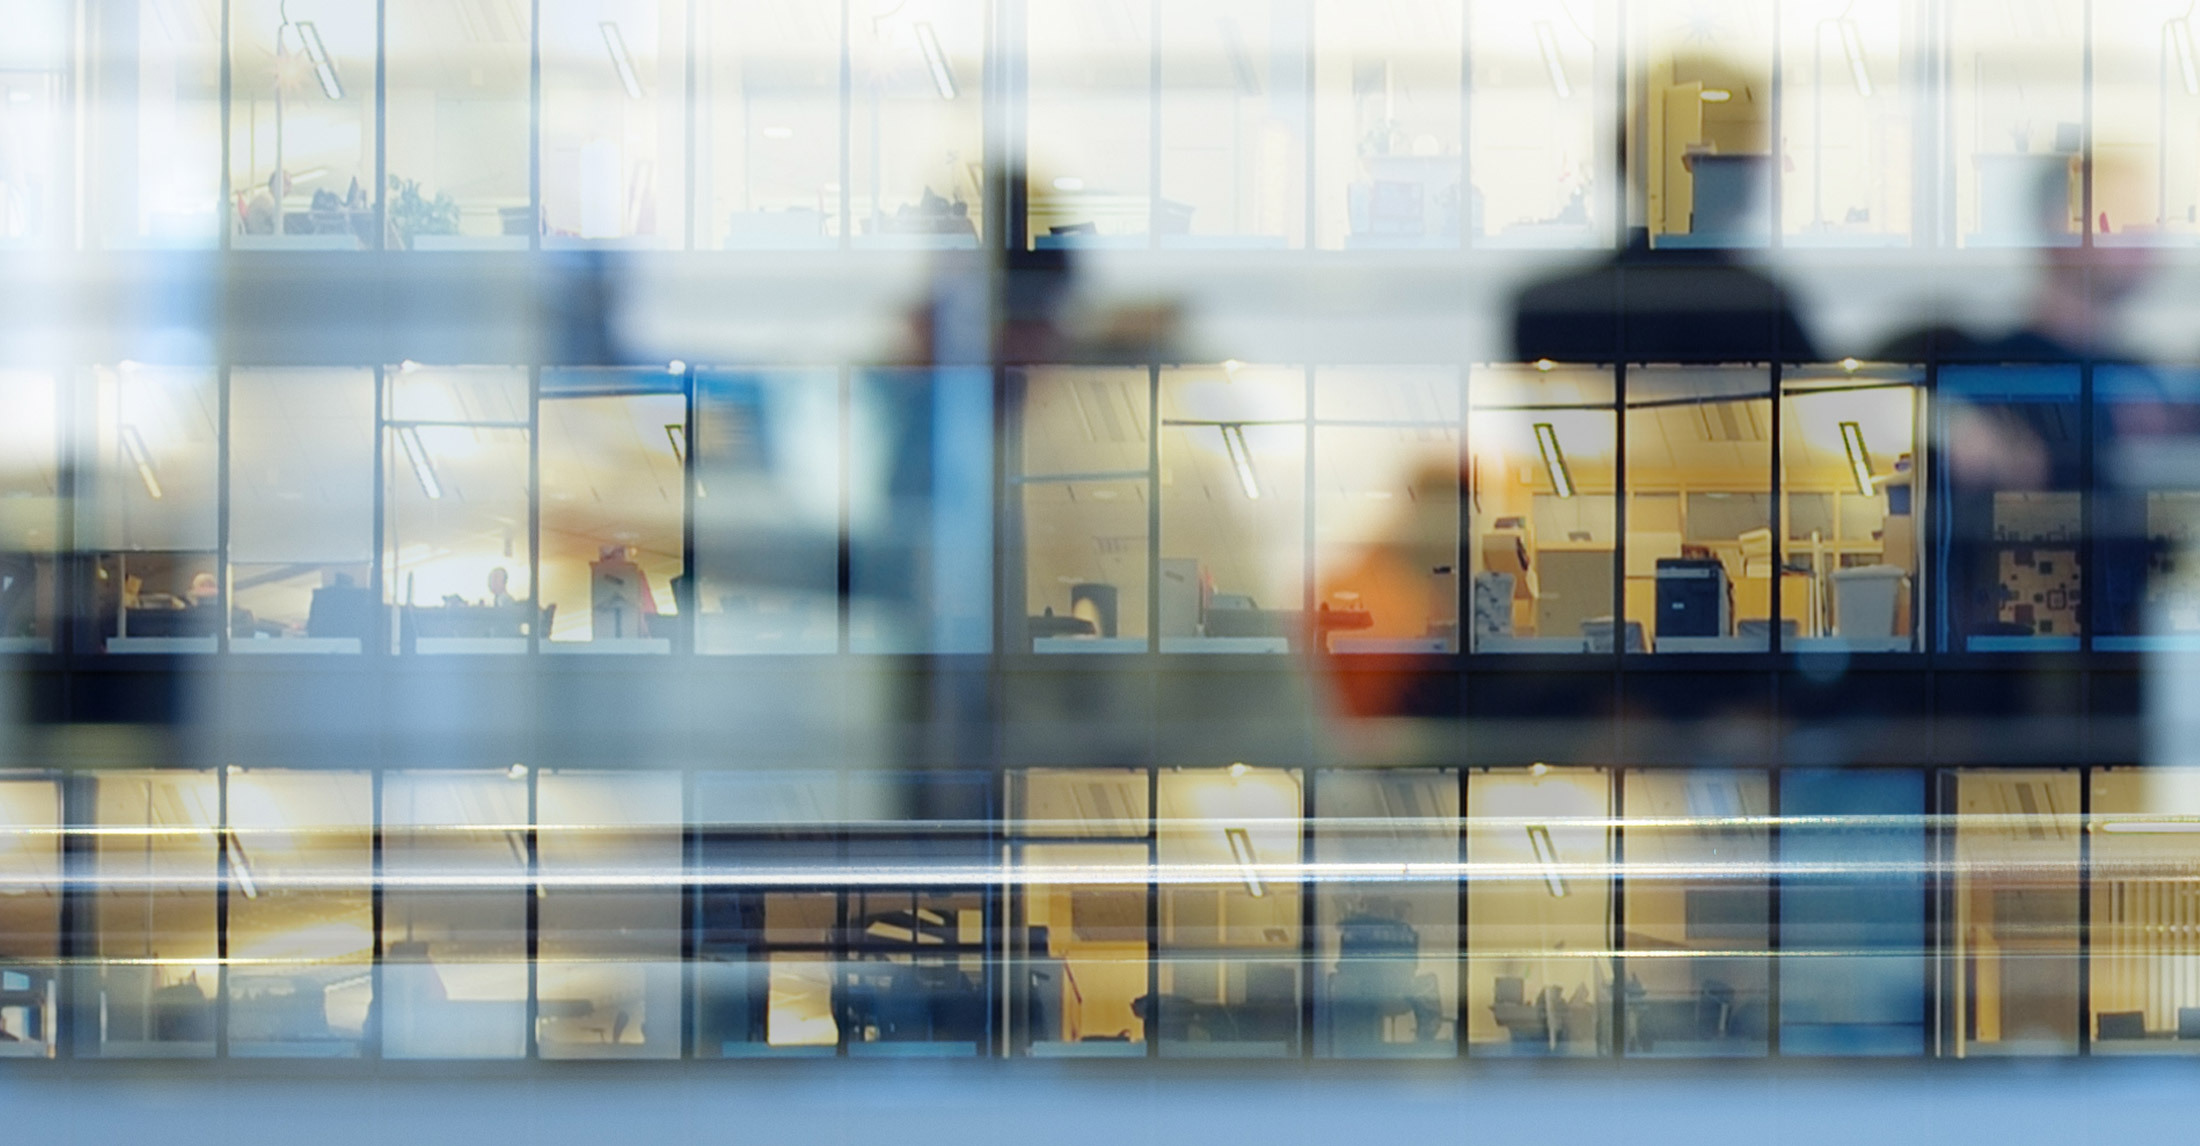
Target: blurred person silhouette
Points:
(500, 591)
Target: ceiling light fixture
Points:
(241, 871)
(1547, 40)
(1852, 46)
(1715, 95)
(622, 61)
(1860, 459)
(2180, 40)
(416, 452)
(677, 434)
(935, 59)
(1241, 849)
(1546, 857)
(324, 68)
(133, 444)
(1554, 459)
(1241, 460)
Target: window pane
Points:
(30, 510)
(154, 154)
(1544, 481)
(458, 123)
(301, 915)
(455, 461)
(613, 495)
(301, 509)
(1539, 971)
(1083, 499)
(1090, 135)
(2143, 860)
(1386, 951)
(1698, 901)
(301, 124)
(1233, 509)
(1852, 913)
(1542, 115)
(2146, 509)
(34, 126)
(1849, 440)
(2017, 86)
(764, 944)
(915, 147)
(30, 917)
(1080, 957)
(614, 102)
(154, 911)
(767, 511)
(1848, 122)
(2145, 108)
(146, 506)
(1386, 510)
(1229, 975)
(2012, 984)
(768, 111)
(609, 967)
(920, 538)
(1706, 76)
(1700, 579)
(454, 919)
(2011, 442)
(1386, 123)
(1233, 123)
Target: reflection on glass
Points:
(153, 156)
(1386, 509)
(458, 120)
(1386, 951)
(1539, 973)
(1706, 76)
(767, 511)
(914, 978)
(1090, 127)
(1081, 967)
(2012, 984)
(767, 105)
(1084, 496)
(2011, 441)
(1542, 115)
(1852, 912)
(146, 504)
(764, 950)
(1699, 553)
(1544, 488)
(301, 917)
(2017, 90)
(2141, 969)
(1698, 899)
(612, 507)
(920, 530)
(1233, 123)
(454, 917)
(2146, 114)
(30, 917)
(613, 112)
(30, 510)
(1386, 123)
(609, 963)
(1849, 473)
(1847, 121)
(154, 915)
(301, 124)
(34, 126)
(301, 510)
(457, 560)
(1233, 518)
(1228, 845)
(915, 142)
(2146, 511)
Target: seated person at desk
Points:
(500, 596)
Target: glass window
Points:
(1228, 845)
(613, 499)
(1699, 551)
(1233, 509)
(2011, 446)
(301, 510)
(1386, 509)
(158, 967)
(2142, 863)
(1706, 117)
(767, 511)
(2146, 509)
(458, 118)
(1089, 132)
(920, 530)
(764, 943)
(614, 107)
(1233, 123)
(154, 128)
(2011, 986)
(30, 510)
(455, 850)
(2146, 111)
(301, 915)
(1386, 951)
(301, 124)
(2017, 88)
(457, 563)
(1083, 491)
(1698, 904)
(1386, 123)
(1544, 481)
(1852, 913)
(915, 139)
(147, 508)
(1079, 950)
(1542, 118)
(768, 110)
(1849, 460)
(35, 127)
(1539, 911)
(608, 972)
(30, 917)
(1848, 121)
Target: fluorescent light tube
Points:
(1852, 45)
(134, 445)
(1554, 459)
(621, 60)
(2180, 39)
(1860, 459)
(1241, 460)
(1546, 857)
(324, 68)
(1241, 849)
(935, 60)
(1547, 40)
(677, 434)
(241, 871)
(416, 452)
